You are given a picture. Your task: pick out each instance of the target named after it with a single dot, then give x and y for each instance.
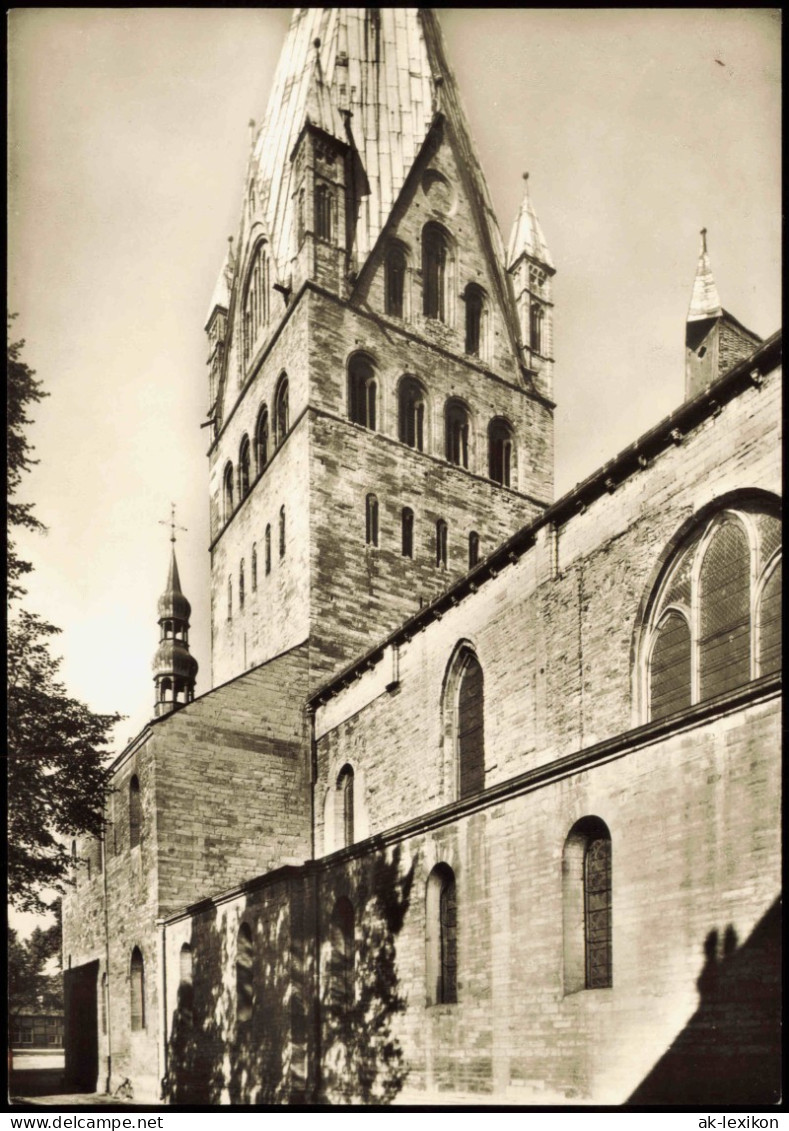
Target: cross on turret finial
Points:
(171, 524)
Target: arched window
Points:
(255, 312)
(456, 428)
(408, 532)
(475, 303)
(228, 491)
(441, 544)
(241, 586)
(135, 812)
(698, 640)
(434, 271)
(441, 936)
(261, 439)
(282, 532)
(268, 550)
(535, 326)
(341, 989)
(137, 991)
(185, 987)
(281, 411)
(345, 797)
(243, 469)
(473, 549)
(254, 567)
(361, 391)
(470, 727)
(394, 281)
(586, 898)
(371, 520)
(499, 451)
(411, 413)
(244, 973)
(230, 598)
(324, 206)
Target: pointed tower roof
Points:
(705, 301)
(387, 69)
(221, 295)
(527, 237)
(172, 602)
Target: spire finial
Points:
(171, 524)
(703, 234)
(525, 176)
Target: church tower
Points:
(380, 366)
(174, 667)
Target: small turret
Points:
(714, 340)
(174, 668)
(531, 268)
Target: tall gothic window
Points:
(408, 532)
(243, 468)
(371, 520)
(324, 205)
(435, 253)
(341, 988)
(441, 544)
(228, 491)
(712, 623)
(255, 312)
(456, 427)
(281, 411)
(535, 326)
(137, 990)
(499, 451)
(441, 936)
(361, 391)
(470, 726)
(261, 439)
(244, 973)
(475, 302)
(411, 413)
(135, 812)
(586, 898)
(394, 281)
(345, 785)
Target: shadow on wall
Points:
(269, 1058)
(729, 1053)
(362, 1060)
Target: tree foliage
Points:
(32, 988)
(57, 780)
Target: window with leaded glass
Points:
(586, 907)
(441, 930)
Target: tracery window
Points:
(713, 622)
(135, 812)
(499, 451)
(341, 988)
(456, 426)
(475, 304)
(244, 973)
(361, 391)
(281, 411)
(255, 312)
(228, 491)
(586, 898)
(408, 532)
(435, 254)
(324, 206)
(441, 936)
(243, 468)
(371, 520)
(394, 281)
(137, 990)
(411, 413)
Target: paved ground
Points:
(37, 1081)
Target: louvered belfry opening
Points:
(471, 728)
(724, 597)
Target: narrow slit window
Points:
(441, 544)
(282, 532)
(474, 310)
(135, 812)
(137, 991)
(408, 532)
(371, 523)
(473, 549)
(441, 936)
(394, 281)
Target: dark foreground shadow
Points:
(729, 1053)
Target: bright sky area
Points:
(128, 146)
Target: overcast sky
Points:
(128, 145)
